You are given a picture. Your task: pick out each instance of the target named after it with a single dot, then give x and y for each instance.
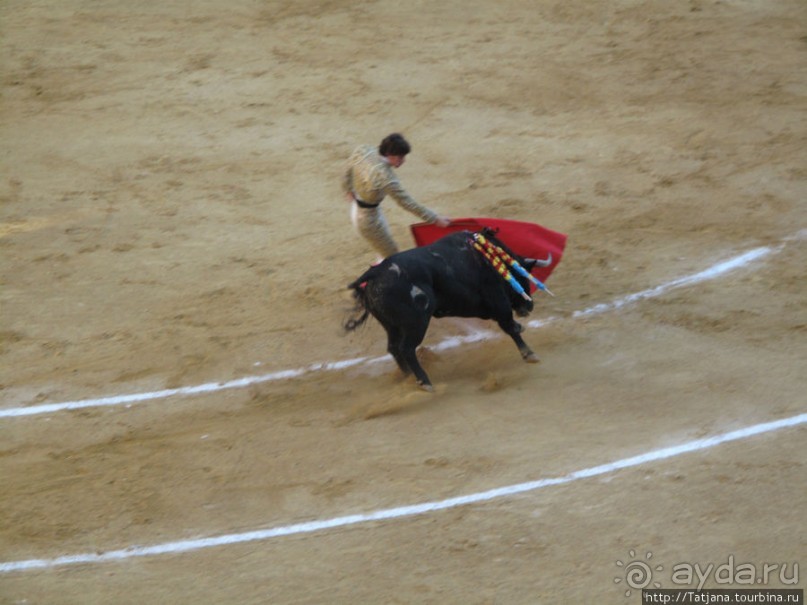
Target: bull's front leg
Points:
(513, 329)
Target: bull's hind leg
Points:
(405, 311)
(394, 337)
(513, 329)
(412, 337)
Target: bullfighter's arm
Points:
(395, 190)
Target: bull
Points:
(448, 278)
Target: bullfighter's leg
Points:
(371, 224)
(513, 329)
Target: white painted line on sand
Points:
(711, 273)
(184, 546)
(210, 387)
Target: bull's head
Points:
(521, 306)
(521, 303)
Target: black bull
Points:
(448, 278)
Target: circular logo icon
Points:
(638, 574)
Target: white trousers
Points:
(371, 224)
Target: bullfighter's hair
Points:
(394, 144)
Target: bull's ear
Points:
(529, 263)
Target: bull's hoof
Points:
(531, 358)
(426, 387)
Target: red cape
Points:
(528, 240)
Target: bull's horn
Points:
(539, 263)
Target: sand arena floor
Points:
(171, 216)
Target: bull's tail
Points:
(362, 311)
(354, 322)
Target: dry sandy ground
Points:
(171, 216)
